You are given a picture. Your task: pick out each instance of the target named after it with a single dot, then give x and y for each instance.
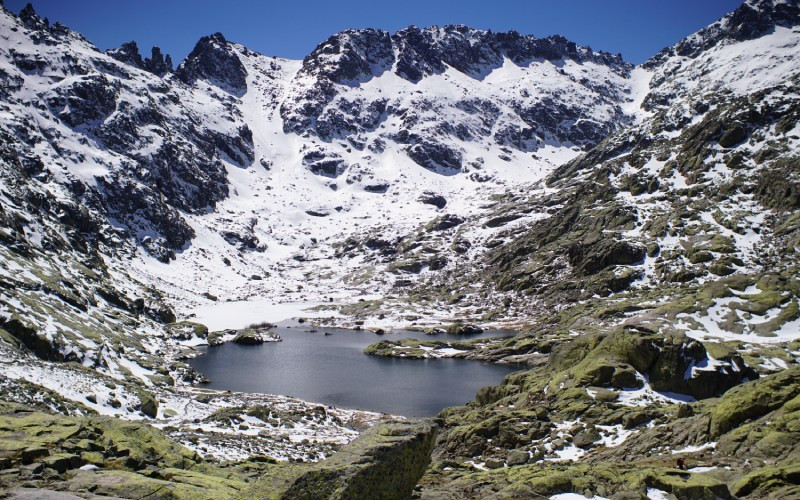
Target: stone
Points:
(385, 461)
(517, 457)
(733, 136)
(586, 438)
(148, 405)
(62, 462)
(447, 221)
(493, 463)
(255, 336)
(33, 454)
(431, 198)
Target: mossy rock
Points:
(770, 482)
(754, 399)
(384, 462)
(186, 330)
(687, 485)
(185, 485)
(148, 404)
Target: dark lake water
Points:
(333, 370)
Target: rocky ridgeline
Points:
(157, 63)
(160, 153)
(327, 100)
(749, 21)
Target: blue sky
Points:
(292, 28)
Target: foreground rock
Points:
(54, 456)
(384, 462)
(546, 432)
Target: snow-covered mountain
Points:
(238, 164)
(131, 189)
(422, 177)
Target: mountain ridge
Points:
(637, 225)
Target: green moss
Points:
(770, 481)
(145, 444)
(123, 484)
(754, 399)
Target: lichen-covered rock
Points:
(148, 404)
(754, 399)
(384, 462)
(255, 336)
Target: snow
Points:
(708, 327)
(695, 448)
(575, 496)
(743, 67)
(241, 314)
(640, 86)
(709, 364)
(646, 396)
(656, 494)
(614, 435)
(700, 470)
(567, 453)
(477, 465)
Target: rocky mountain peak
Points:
(157, 63)
(30, 19)
(213, 59)
(752, 19)
(128, 53)
(350, 55)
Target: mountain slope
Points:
(131, 190)
(639, 225)
(679, 229)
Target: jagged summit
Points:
(213, 59)
(752, 19)
(413, 53)
(128, 53)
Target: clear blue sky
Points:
(292, 28)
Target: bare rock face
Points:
(213, 60)
(326, 101)
(157, 63)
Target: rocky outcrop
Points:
(384, 462)
(157, 63)
(128, 53)
(255, 336)
(214, 60)
(111, 457)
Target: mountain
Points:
(638, 225)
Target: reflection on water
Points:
(332, 369)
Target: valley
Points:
(437, 263)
